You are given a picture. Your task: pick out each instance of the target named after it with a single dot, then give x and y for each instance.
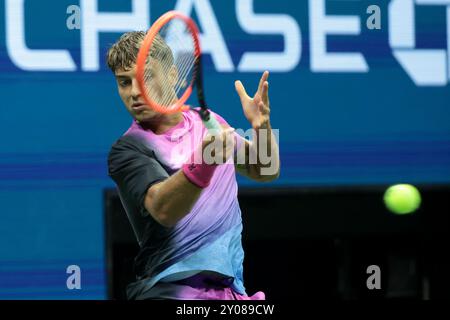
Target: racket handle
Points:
(212, 124)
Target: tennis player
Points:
(184, 212)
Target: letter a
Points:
(74, 20)
(374, 21)
(374, 281)
(74, 280)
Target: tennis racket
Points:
(169, 66)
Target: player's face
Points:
(131, 95)
(159, 82)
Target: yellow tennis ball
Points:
(402, 198)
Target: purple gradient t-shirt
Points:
(207, 239)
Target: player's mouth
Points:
(138, 106)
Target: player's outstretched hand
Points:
(256, 108)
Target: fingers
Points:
(261, 93)
(229, 130)
(265, 93)
(240, 90)
(258, 105)
(218, 147)
(263, 108)
(263, 79)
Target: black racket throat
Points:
(203, 112)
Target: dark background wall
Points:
(318, 243)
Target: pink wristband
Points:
(199, 174)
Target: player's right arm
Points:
(170, 200)
(146, 187)
(173, 198)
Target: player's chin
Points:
(144, 115)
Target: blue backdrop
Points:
(353, 105)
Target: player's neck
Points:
(163, 123)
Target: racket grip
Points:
(212, 124)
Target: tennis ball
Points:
(402, 198)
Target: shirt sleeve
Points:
(134, 169)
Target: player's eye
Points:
(124, 82)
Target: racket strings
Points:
(179, 40)
(186, 59)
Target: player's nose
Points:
(135, 91)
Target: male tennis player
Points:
(185, 214)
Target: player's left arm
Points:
(262, 160)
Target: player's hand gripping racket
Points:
(169, 65)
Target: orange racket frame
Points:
(143, 54)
